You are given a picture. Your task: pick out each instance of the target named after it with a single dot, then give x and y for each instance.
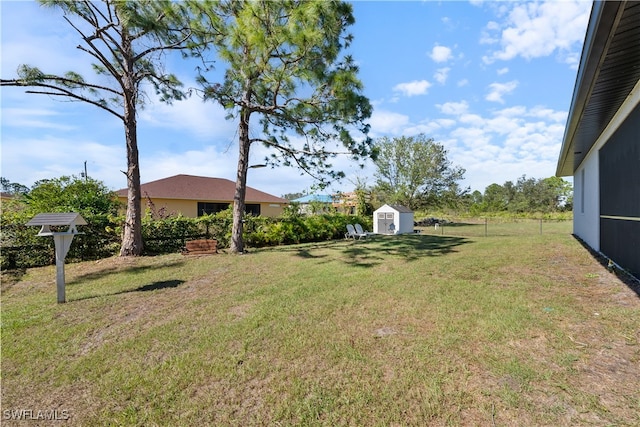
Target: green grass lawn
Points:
(392, 331)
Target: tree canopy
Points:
(544, 195)
(86, 196)
(13, 188)
(416, 172)
(284, 65)
(125, 41)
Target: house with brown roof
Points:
(194, 196)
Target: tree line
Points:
(416, 172)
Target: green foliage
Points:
(284, 64)
(527, 195)
(71, 194)
(167, 235)
(13, 188)
(415, 172)
(90, 198)
(292, 229)
(364, 207)
(21, 247)
(292, 196)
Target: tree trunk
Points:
(237, 244)
(132, 244)
(132, 233)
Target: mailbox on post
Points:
(61, 239)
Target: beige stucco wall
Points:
(271, 209)
(189, 208)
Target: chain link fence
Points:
(485, 227)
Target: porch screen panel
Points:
(620, 195)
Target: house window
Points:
(211, 208)
(252, 208)
(205, 208)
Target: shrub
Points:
(21, 247)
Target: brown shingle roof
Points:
(201, 188)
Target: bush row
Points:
(23, 248)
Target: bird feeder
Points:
(61, 239)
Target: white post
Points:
(62, 243)
(61, 240)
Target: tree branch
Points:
(62, 92)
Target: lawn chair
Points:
(360, 231)
(353, 234)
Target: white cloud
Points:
(33, 118)
(441, 75)
(429, 127)
(502, 71)
(498, 90)
(534, 30)
(511, 111)
(416, 87)
(441, 53)
(453, 108)
(549, 114)
(387, 122)
(27, 160)
(499, 147)
(472, 119)
(203, 120)
(463, 82)
(52, 48)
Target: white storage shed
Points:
(393, 219)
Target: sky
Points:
(491, 81)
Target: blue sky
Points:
(491, 81)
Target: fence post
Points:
(540, 226)
(486, 232)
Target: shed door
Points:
(385, 219)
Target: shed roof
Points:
(609, 70)
(398, 208)
(189, 187)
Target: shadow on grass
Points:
(8, 278)
(165, 284)
(408, 246)
(377, 249)
(307, 253)
(157, 285)
(627, 278)
(133, 269)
